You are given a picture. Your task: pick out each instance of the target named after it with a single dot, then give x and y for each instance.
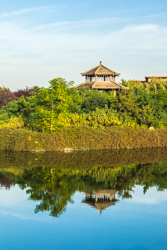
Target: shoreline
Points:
(82, 138)
(82, 159)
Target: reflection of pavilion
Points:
(101, 199)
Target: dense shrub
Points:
(23, 92)
(6, 96)
(99, 118)
(81, 138)
(12, 123)
(96, 99)
(154, 86)
(59, 105)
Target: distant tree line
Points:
(60, 105)
(6, 95)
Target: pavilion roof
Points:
(101, 85)
(99, 206)
(100, 70)
(156, 76)
(85, 85)
(108, 85)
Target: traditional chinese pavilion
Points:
(101, 199)
(101, 78)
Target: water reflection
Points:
(5, 181)
(101, 199)
(125, 186)
(54, 187)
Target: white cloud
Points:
(24, 215)
(14, 202)
(29, 56)
(79, 24)
(12, 197)
(24, 11)
(152, 196)
(143, 37)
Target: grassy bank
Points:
(81, 159)
(82, 138)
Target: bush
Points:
(6, 96)
(59, 105)
(12, 123)
(96, 99)
(99, 118)
(23, 92)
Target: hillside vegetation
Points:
(60, 106)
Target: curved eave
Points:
(84, 85)
(90, 71)
(101, 85)
(108, 85)
(121, 86)
(101, 74)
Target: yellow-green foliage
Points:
(2, 88)
(154, 85)
(80, 159)
(81, 138)
(99, 118)
(59, 106)
(12, 123)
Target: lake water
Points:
(84, 200)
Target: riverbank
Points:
(81, 159)
(82, 138)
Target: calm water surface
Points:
(93, 206)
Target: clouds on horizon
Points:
(152, 196)
(60, 46)
(24, 11)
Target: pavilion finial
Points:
(100, 62)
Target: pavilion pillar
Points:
(110, 78)
(115, 92)
(95, 78)
(86, 79)
(96, 198)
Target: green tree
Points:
(95, 99)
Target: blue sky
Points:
(41, 40)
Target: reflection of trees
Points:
(5, 181)
(51, 187)
(54, 188)
(126, 195)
